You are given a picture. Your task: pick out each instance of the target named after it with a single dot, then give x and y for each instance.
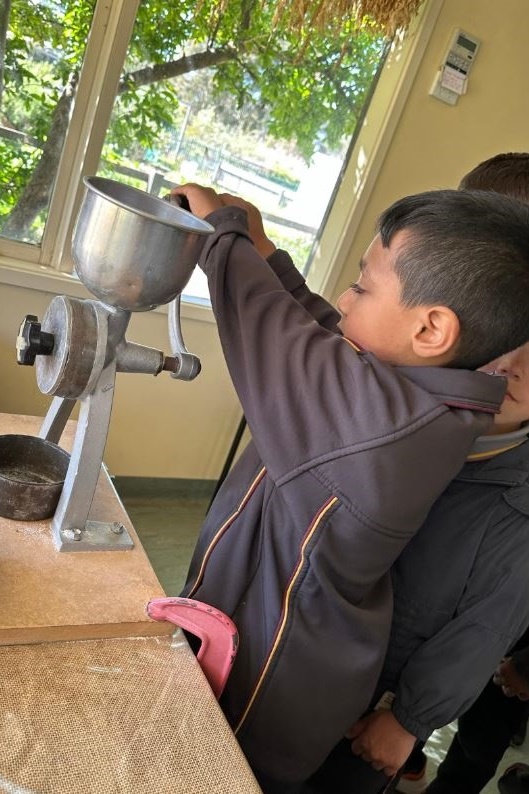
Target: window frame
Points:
(48, 267)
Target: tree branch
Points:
(165, 71)
(36, 195)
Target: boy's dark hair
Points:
(506, 173)
(468, 250)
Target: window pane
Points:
(41, 50)
(212, 96)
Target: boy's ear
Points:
(437, 334)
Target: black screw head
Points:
(32, 341)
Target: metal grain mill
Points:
(133, 252)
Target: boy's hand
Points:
(511, 682)
(382, 741)
(203, 200)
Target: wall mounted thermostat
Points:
(451, 79)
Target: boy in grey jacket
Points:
(359, 418)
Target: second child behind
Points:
(359, 419)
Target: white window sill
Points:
(44, 279)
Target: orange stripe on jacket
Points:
(223, 529)
(316, 521)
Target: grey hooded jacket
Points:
(347, 456)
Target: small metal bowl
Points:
(32, 475)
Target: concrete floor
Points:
(168, 529)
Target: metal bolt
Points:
(117, 528)
(72, 534)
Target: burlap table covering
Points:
(114, 715)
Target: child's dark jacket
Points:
(347, 456)
(461, 593)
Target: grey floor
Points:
(440, 740)
(168, 528)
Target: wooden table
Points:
(90, 700)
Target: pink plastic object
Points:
(218, 634)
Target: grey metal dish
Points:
(32, 475)
(133, 250)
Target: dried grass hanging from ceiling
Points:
(388, 15)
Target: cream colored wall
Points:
(160, 427)
(166, 428)
(435, 144)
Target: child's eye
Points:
(357, 288)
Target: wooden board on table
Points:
(47, 595)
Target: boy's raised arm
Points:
(282, 362)
(279, 260)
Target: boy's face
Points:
(372, 315)
(515, 407)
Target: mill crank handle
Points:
(187, 365)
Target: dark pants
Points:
(484, 733)
(341, 773)
(271, 786)
(345, 773)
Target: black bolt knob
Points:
(32, 341)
